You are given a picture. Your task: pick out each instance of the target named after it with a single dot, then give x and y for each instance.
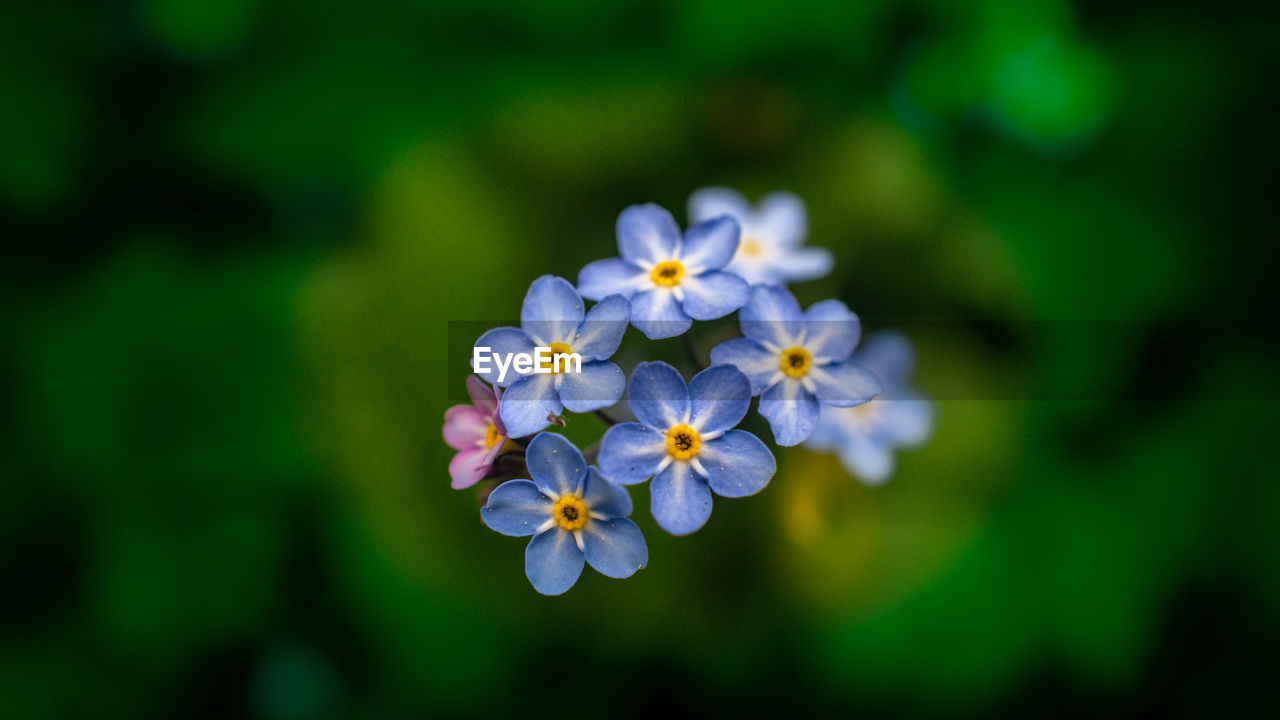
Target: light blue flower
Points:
(797, 361)
(553, 317)
(685, 441)
(669, 280)
(574, 515)
(866, 436)
(772, 250)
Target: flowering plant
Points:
(815, 386)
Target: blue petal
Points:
(890, 423)
(503, 341)
(831, 331)
(657, 314)
(831, 430)
(601, 332)
(759, 365)
(615, 547)
(599, 385)
(906, 422)
(737, 464)
(714, 294)
(658, 396)
(630, 452)
(771, 317)
(782, 216)
(710, 244)
(719, 397)
(526, 405)
(647, 234)
(843, 384)
(679, 499)
(612, 275)
(755, 271)
(890, 356)
(792, 412)
(604, 496)
(555, 464)
(797, 264)
(870, 461)
(517, 508)
(553, 561)
(552, 310)
(712, 202)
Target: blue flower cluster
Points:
(815, 386)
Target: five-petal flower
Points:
(574, 515)
(670, 280)
(797, 360)
(772, 250)
(685, 440)
(553, 317)
(865, 436)
(813, 387)
(476, 432)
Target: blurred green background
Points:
(237, 232)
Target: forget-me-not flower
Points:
(772, 250)
(476, 432)
(574, 515)
(685, 441)
(553, 317)
(865, 436)
(797, 360)
(670, 280)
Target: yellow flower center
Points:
(795, 362)
(570, 512)
(750, 247)
(667, 273)
(557, 348)
(492, 436)
(683, 442)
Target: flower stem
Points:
(607, 418)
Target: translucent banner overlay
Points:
(1047, 360)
